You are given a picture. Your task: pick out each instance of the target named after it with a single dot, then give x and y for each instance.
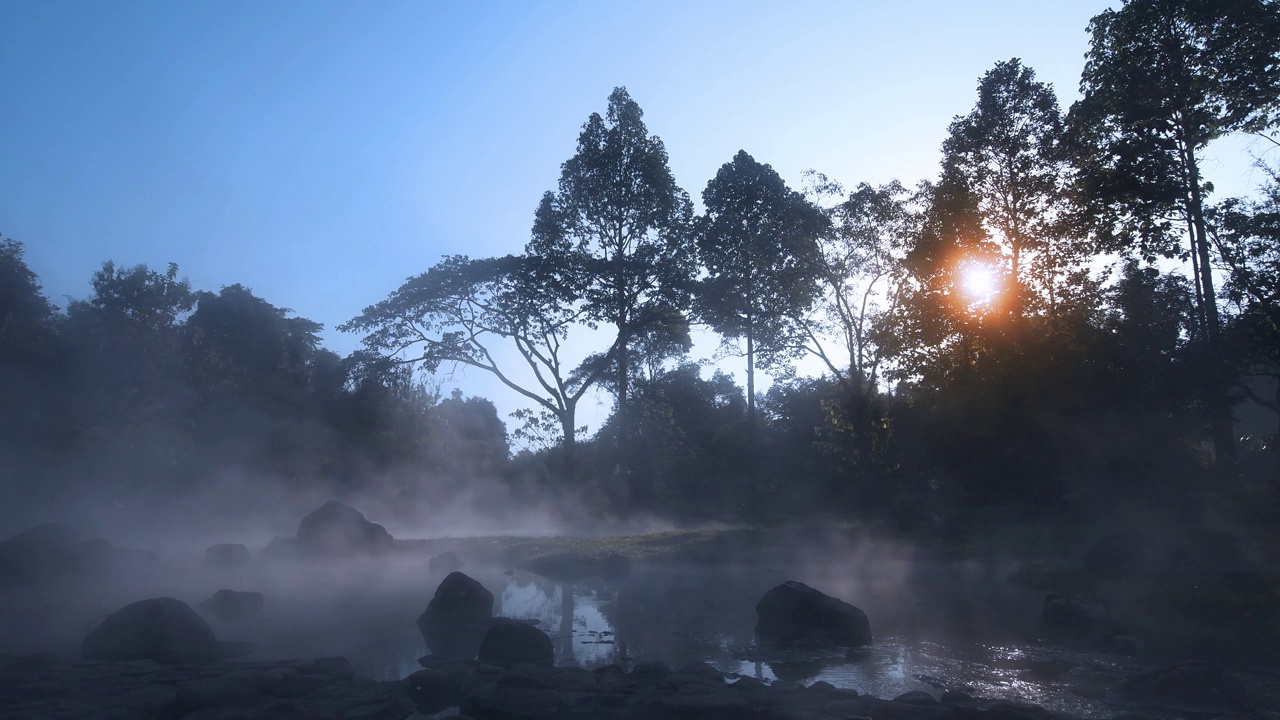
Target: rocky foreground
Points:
(655, 692)
(42, 686)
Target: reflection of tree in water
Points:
(564, 640)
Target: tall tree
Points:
(462, 312)
(1163, 79)
(758, 246)
(618, 223)
(1007, 151)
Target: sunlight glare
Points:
(979, 281)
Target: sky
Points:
(322, 152)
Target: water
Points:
(938, 624)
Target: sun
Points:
(979, 281)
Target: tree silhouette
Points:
(617, 229)
(1163, 79)
(460, 310)
(758, 246)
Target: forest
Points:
(1066, 317)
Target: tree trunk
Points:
(751, 383)
(569, 448)
(1219, 405)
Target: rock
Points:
(160, 629)
(281, 548)
(1127, 645)
(574, 567)
(445, 562)
(457, 618)
(1194, 686)
(1073, 616)
(337, 529)
(40, 554)
(227, 556)
(437, 688)
(97, 557)
(915, 697)
(233, 604)
(794, 613)
(509, 642)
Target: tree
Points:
(461, 310)
(758, 246)
(860, 259)
(1007, 151)
(25, 314)
(1163, 79)
(617, 227)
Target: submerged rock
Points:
(227, 556)
(338, 529)
(509, 642)
(233, 604)
(794, 613)
(158, 629)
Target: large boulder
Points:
(794, 613)
(509, 642)
(232, 604)
(457, 617)
(163, 630)
(337, 529)
(227, 556)
(40, 554)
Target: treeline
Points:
(1064, 316)
(148, 390)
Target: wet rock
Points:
(40, 554)
(457, 618)
(794, 613)
(509, 642)
(444, 563)
(226, 556)
(336, 529)
(160, 629)
(233, 604)
(916, 697)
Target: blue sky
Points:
(321, 152)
